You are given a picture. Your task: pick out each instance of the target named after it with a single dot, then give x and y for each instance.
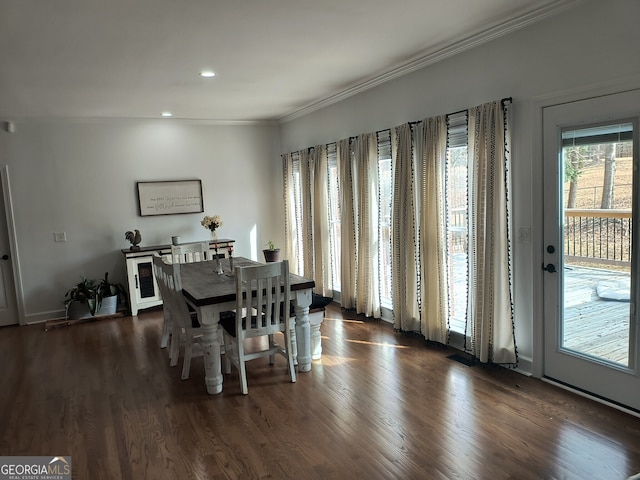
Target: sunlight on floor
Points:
(390, 345)
(333, 360)
(342, 320)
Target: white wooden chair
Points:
(183, 253)
(167, 324)
(265, 292)
(178, 318)
(190, 252)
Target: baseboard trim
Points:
(591, 396)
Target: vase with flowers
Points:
(212, 223)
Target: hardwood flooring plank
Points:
(377, 405)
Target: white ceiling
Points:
(274, 59)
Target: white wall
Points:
(594, 46)
(79, 177)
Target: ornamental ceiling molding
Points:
(438, 54)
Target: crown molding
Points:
(133, 120)
(438, 54)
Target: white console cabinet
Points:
(143, 289)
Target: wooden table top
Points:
(202, 286)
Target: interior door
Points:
(8, 307)
(591, 245)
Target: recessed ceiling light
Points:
(167, 114)
(207, 74)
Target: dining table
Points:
(210, 288)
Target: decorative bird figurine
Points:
(134, 237)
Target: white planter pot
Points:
(109, 305)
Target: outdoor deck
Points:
(592, 325)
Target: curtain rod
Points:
(503, 103)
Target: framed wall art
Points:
(170, 197)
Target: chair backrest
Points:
(267, 289)
(170, 285)
(158, 262)
(190, 252)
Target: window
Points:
(456, 191)
(296, 227)
(335, 215)
(385, 178)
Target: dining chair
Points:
(180, 321)
(263, 294)
(167, 325)
(190, 252)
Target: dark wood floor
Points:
(378, 405)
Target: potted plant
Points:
(271, 253)
(80, 300)
(89, 298)
(108, 296)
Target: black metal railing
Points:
(597, 236)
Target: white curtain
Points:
(306, 217)
(347, 180)
(321, 253)
(367, 266)
(290, 217)
(404, 261)
(490, 312)
(420, 268)
(433, 231)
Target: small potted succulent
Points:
(271, 253)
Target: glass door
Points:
(590, 244)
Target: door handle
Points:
(551, 268)
(5, 257)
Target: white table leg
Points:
(294, 342)
(315, 320)
(211, 351)
(301, 302)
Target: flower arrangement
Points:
(211, 223)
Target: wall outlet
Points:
(60, 236)
(525, 233)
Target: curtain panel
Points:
(290, 217)
(490, 330)
(433, 231)
(404, 259)
(348, 241)
(320, 245)
(367, 266)
(306, 218)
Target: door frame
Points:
(9, 218)
(595, 375)
(538, 104)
